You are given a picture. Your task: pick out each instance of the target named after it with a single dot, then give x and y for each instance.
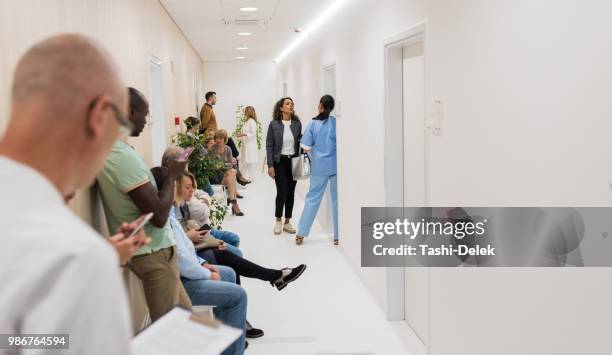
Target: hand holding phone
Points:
(143, 221)
(205, 227)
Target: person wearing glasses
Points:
(58, 275)
(128, 190)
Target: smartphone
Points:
(205, 227)
(186, 153)
(145, 220)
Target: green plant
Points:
(218, 211)
(240, 121)
(202, 166)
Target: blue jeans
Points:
(226, 236)
(318, 183)
(230, 301)
(209, 190)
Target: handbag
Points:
(208, 242)
(300, 167)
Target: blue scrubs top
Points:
(320, 137)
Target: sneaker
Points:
(289, 228)
(253, 332)
(289, 275)
(278, 227)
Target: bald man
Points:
(58, 275)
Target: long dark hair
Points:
(278, 115)
(328, 103)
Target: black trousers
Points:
(241, 266)
(285, 187)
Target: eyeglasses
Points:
(125, 125)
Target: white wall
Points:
(131, 30)
(526, 87)
(358, 54)
(241, 83)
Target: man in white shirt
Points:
(57, 275)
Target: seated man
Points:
(209, 285)
(57, 274)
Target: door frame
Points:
(394, 150)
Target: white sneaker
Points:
(278, 227)
(289, 228)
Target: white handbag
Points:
(300, 167)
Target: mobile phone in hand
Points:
(145, 220)
(205, 227)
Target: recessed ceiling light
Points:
(248, 9)
(242, 48)
(244, 33)
(240, 58)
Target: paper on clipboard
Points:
(181, 332)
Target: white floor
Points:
(325, 312)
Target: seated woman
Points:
(221, 256)
(194, 214)
(210, 285)
(224, 153)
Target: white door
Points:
(156, 107)
(413, 77)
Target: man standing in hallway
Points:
(57, 274)
(128, 190)
(208, 121)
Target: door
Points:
(156, 107)
(413, 86)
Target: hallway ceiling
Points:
(212, 26)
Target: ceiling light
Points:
(327, 13)
(244, 33)
(240, 58)
(248, 9)
(242, 48)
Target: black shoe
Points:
(253, 332)
(289, 277)
(243, 183)
(239, 196)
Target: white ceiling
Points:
(212, 25)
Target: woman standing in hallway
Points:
(250, 154)
(282, 144)
(319, 141)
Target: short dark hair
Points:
(137, 99)
(209, 95)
